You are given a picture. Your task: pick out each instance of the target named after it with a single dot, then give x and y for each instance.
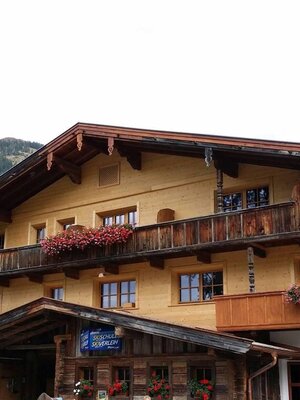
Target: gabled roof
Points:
(65, 154)
(45, 314)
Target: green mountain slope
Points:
(12, 151)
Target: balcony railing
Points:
(219, 232)
(256, 311)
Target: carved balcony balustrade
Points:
(264, 226)
(256, 311)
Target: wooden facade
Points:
(215, 244)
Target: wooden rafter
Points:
(227, 166)
(4, 282)
(111, 268)
(72, 273)
(204, 257)
(157, 262)
(134, 157)
(5, 216)
(69, 168)
(35, 277)
(32, 332)
(259, 250)
(25, 327)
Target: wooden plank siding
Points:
(256, 311)
(215, 233)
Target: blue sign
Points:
(84, 340)
(99, 339)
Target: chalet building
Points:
(194, 291)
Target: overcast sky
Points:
(218, 67)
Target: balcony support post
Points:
(250, 256)
(219, 190)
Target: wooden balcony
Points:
(268, 226)
(256, 311)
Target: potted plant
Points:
(158, 387)
(201, 389)
(83, 238)
(292, 294)
(84, 389)
(118, 388)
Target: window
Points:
(86, 373)
(64, 224)
(57, 293)
(2, 239)
(249, 198)
(122, 374)
(119, 217)
(160, 372)
(201, 373)
(197, 287)
(40, 233)
(115, 294)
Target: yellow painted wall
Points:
(183, 184)
(157, 294)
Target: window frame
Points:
(39, 228)
(59, 289)
(114, 214)
(118, 293)
(80, 371)
(115, 376)
(50, 286)
(199, 287)
(243, 190)
(64, 223)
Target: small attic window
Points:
(109, 175)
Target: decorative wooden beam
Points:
(110, 145)
(220, 190)
(79, 139)
(134, 158)
(70, 169)
(227, 166)
(4, 282)
(259, 250)
(72, 273)
(5, 216)
(204, 257)
(157, 262)
(49, 160)
(250, 256)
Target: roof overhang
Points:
(65, 155)
(36, 316)
(45, 314)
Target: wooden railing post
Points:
(296, 199)
(219, 190)
(250, 255)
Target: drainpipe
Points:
(259, 372)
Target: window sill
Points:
(200, 303)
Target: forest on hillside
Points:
(13, 151)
